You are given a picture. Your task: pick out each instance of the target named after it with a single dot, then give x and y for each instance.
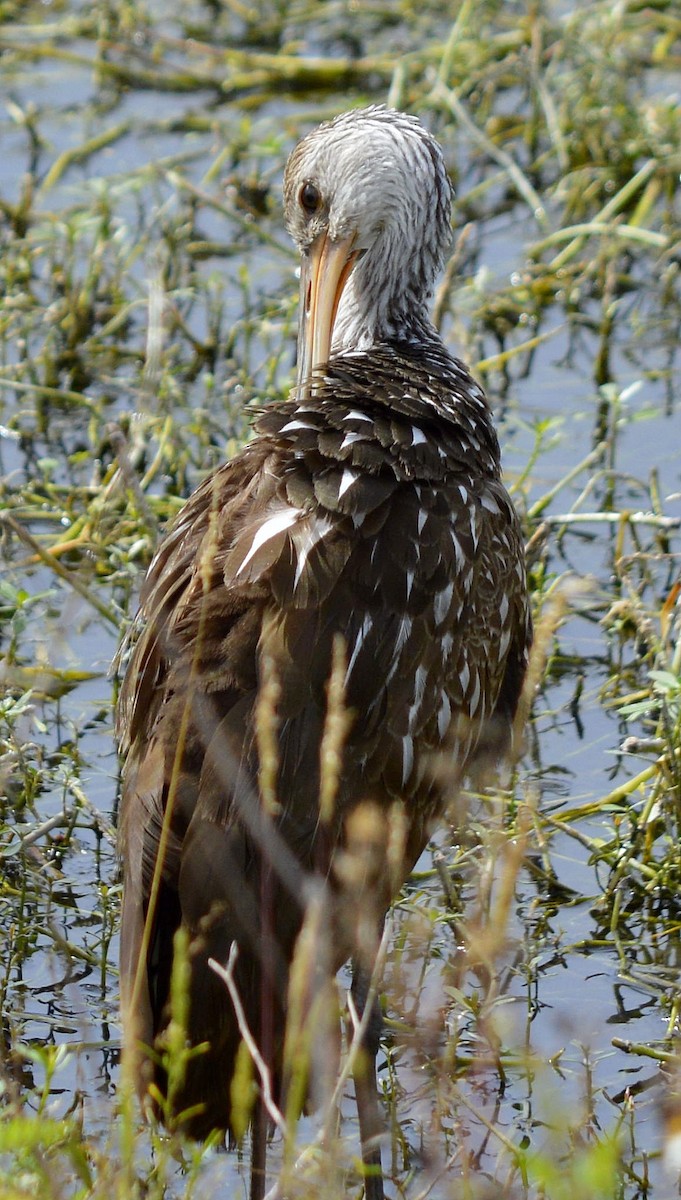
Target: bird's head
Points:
(367, 201)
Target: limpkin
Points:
(364, 524)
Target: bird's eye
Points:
(310, 198)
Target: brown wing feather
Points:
(375, 514)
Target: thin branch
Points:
(74, 581)
(612, 518)
(226, 974)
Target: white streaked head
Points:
(367, 201)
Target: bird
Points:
(359, 560)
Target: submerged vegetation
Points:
(147, 299)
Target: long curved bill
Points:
(324, 272)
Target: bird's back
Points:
(371, 508)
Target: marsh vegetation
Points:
(147, 299)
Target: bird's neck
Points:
(374, 310)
